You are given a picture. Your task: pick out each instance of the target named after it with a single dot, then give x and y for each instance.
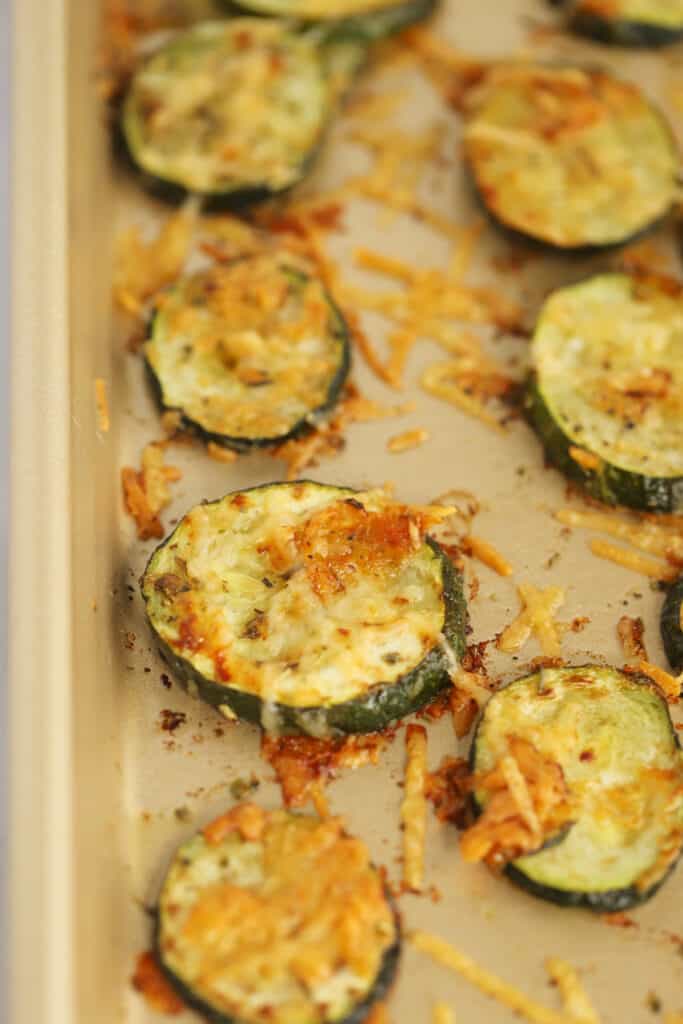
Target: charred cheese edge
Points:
(608, 385)
(228, 107)
(613, 738)
(570, 157)
(278, 917)
(250, 353)
(306, 607)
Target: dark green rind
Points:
(607, 901)
(618, 32)
(242, 444)
(670, 623)
(370, 27)
(610, 484)
(358, 1015)
(382, 705)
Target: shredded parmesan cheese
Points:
(630, 632)
(487, 554)
(669, 685)
(442, 1014)
(655, 538)
(574, 998)
(221, 454)
(487, 982)
(142, 268)
(631, 560)
(537, 616)
(102, 403)
(145, 491)
(414, 807)
(409, 439)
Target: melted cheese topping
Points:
(608, 355)
(289, 927)
(568, 156)
(318, 9)
(248, 350)
(302, 594)
(613, 739)
(228, 105)
(663, 13)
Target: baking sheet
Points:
(117, 792)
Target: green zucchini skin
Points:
(599, 901)
(610, 484)
(131, 143)
(672, 634)
(374, 711)
(371, 26)
(623, 32)
(303, 426)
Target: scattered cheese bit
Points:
(142, 268)
(632, 560)
(669, 685)
(486, 553)
(103, 419)
(153, 986)
(414, 807)
(442, 1014)
(220, 453)
(537, 616)
(630, 632)
(407, 440)
(656, 538)
(487, 982)
(441, 380)
(145, 491)
(587, 460)
(574, 998)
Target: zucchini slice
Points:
(606, 396)
(672, 625)
(251, 353)
(572, 158)
(370, 19)
(231, 110)
(307, 608)
(613, 738)
(628, 22)
(268, 916)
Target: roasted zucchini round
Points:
(606, 394)
(371, 19)
(672, 625)
(572, 158)
(307, 608)
(232, 110)
(250, 353)
(612, 736)
(628, 22)
(277, 917)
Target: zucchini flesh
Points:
(613, 738)
(629, 22)
(306, 608)
(255, 917)
(230, 109)
(572, 158)
(672, 625)
(608, 386)
(250, 353)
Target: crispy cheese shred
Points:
(442, 1014)
(414, 808)
(487, 982)
(407, 440)
(574, 998)
(538, 617)
(144, 267)
(632, 560)
(630, 632)
(153, 987)
(146, 492)
(668, 684)
(526, 801)
(102, 405)
(486, 554)
(662, 537)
